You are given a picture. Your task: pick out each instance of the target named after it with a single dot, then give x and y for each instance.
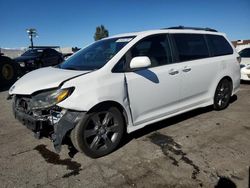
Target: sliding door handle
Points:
(173, 72)
(186, 69)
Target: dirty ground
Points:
(202, 148)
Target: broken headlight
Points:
(50, 98)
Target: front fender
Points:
(66, 123)
(93, 89)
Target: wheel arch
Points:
(110, 103)
(227, 78)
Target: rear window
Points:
(218, 45)
(191, 46)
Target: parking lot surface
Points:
(202, 148)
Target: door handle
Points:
(186, 69)
(173, 72)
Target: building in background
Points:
(241, 44)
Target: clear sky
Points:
(73, 22)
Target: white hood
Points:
(43, 78)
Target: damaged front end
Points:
(49, 121)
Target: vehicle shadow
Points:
(168, 122)
(243, 82)
(225, 182)
(148, 74)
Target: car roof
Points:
(150, 32)
(36, 49)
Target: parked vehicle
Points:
(245, 73)
(39, 57)
(125, 82)
(74, 50)
(245, 64)
(9, 71)
(66, 56)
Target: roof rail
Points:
(193, 28)
(44, 47)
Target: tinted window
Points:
(53, 52)
(120, 66)
(155, 47)
(190, 46)
(218, 45)
(50, 52)
(245, 52)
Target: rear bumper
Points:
(245, 77)
(245, 74)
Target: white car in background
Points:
(245, 64)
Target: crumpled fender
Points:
(66, 123)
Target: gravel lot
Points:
(196, 149)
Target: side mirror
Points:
(140, 62)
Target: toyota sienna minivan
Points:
(125, 82)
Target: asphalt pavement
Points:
(201, 148)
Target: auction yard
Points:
(191, 150)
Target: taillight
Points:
(239, 59)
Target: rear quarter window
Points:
(218, 45)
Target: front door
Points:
(153, 92)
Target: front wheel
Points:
(99, 132)
(222, 94)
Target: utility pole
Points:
(32, 33)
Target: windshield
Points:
(34, 52)
(96, 55)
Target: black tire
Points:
(8, 71)
(222, 94)
(98, 133)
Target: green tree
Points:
(101, 32)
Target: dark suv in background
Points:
(39, 57)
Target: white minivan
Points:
(125, 82)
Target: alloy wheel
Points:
(223, 94)
(101, 131)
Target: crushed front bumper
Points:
(49, 124)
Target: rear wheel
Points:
(99, 132)
(222, 94)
